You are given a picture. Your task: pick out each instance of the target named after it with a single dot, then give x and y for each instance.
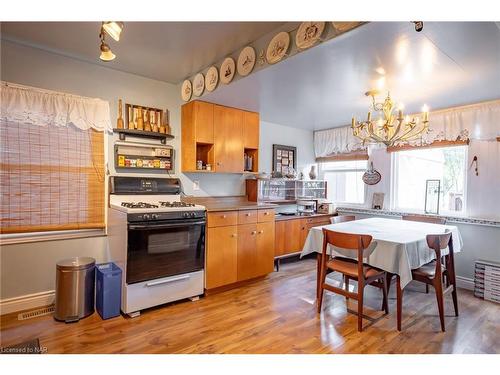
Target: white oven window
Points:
(411, 170)
(344, 181)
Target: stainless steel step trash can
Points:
(75, 280)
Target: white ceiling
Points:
(447, 64)
(166, 51)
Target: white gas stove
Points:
(158, 241)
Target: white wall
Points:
(30, 268)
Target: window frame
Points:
(322, 171)
(394, 179)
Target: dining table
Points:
(398, 246)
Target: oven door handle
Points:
(179, 278)
(164, 226)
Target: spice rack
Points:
(133, 156)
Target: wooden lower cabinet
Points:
(291, 234)
(239, 252)
(222, 255)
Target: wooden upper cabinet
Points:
(228, 139)
(204, 122)
(220, 136)
(251, 126)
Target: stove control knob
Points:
(193, 214)
(185, 214)
(154, 216)
(145, 216)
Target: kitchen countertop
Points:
(214, 204)
(236, 206)
(292, 217)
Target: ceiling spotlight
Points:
(113, 29)
(106, 53)
(419, 26)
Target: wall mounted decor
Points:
(308, 34)
(378, 201)
(371, 176)
(342, 27)
(198, 84)
(278, 47)
(211, 78)
(284, 158)
(246, 61)
(432, 194)
(227, 70)
(186, 90)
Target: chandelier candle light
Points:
(391, 129)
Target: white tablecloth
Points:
(399, 245)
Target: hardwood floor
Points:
(275, 315)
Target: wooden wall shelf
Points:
(123, 133)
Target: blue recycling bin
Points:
(108, 290)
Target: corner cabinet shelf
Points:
(123, 133)
(226, 138)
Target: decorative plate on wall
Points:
(211, 78)
(246, 61)
(227, 70)
(344, 26)
(308, 34)
(198, 84)
(371, 176)
(278, 47)
(186, 90)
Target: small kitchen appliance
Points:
(157, 240)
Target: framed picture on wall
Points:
(284, 158)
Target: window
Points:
(344, 180)
(52, 178)
(412, 168)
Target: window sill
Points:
(451, 219)
(19, 238)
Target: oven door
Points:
(164, 248)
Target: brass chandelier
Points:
(390, 128)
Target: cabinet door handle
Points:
(247, 214)
(223, 216)
(219, 163)
(234, 235)
(261, 231)
(254, 232)
(266, 213)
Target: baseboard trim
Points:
(465, 283)
(27, 302)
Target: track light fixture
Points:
(113, 29)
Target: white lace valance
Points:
(336, 141)
(42, 107)
(477, 121)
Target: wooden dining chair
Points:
(432, 273)
(425, 219)
(355, 269)
(342, 219)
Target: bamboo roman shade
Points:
(52, 176)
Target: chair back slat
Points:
(342, 219)
(347, 241)
(424, 219)
(438, 241)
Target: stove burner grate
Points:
(138, 205)
(176, 204)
